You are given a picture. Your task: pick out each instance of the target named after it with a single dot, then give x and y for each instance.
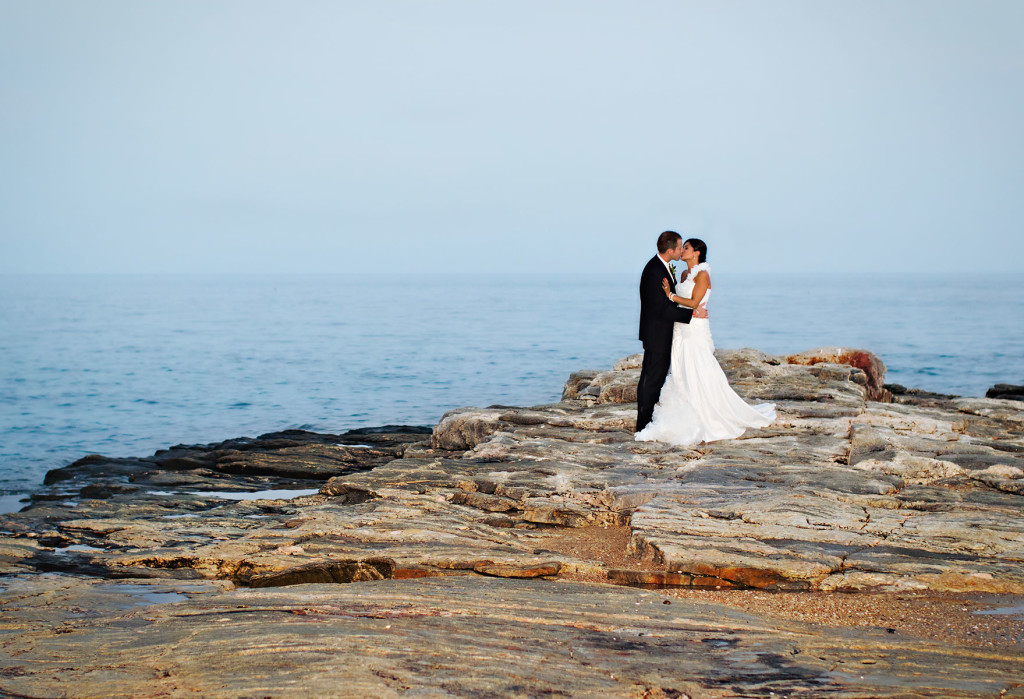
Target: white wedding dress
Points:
(697, 404)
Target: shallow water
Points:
(255, 495)
(127, 595)
(1015, 610)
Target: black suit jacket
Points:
(657, 313)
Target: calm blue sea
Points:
(125, 365)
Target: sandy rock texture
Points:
(448, 637)
(858, 486)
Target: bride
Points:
(697, 404)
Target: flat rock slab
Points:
(410, 561)
(840, 493)
(447, 637)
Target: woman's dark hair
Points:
(700, 246)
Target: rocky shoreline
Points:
(473, 549)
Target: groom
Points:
(657, 314)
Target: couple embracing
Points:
(684, 396)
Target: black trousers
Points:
(652, 378)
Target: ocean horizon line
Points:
(773, 274)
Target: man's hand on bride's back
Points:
(700, 312)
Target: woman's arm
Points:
(658, 306)
(700, 287)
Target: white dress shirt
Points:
(668, 267)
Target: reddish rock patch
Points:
(866, 361)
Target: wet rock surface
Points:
(911, 491)
(1006, 391)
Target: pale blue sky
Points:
(549, 135)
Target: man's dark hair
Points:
(668, 240)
